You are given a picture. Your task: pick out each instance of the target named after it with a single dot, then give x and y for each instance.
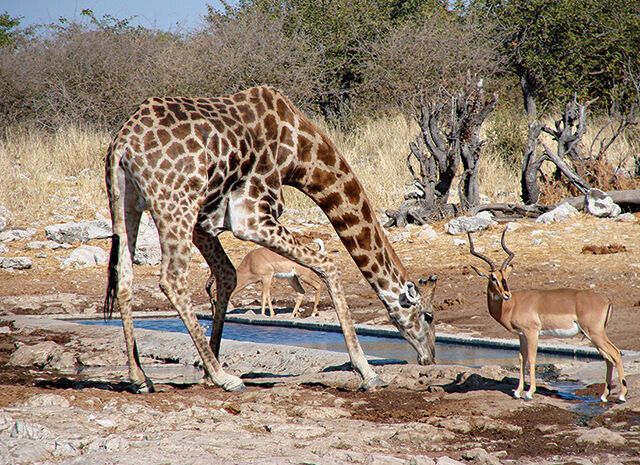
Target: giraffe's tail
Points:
(112, 161)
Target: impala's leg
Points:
(532, 349)
(612, 356)
(224, 275)
(176, 234)
(267, 280)
(522, 357)
(274, 236)
(317, 287)
(294, 282)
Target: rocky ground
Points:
(64, 399)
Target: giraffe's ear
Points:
(409, 295)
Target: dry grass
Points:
(45, 175)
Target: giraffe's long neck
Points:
(326, 177)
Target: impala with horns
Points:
(262, 265)
(554, 312)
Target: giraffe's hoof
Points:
(234, 384)
(145, 387)
(517, 395)
(528, 396)
(603, 398)
(622, 398)
(373, 384)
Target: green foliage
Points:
(341, 30)
(567, 47)
(8, 29)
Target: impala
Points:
(555, 312)
(262, 265)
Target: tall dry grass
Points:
(45, 176)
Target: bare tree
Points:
(439, 149)
(583, 170)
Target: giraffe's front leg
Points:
(269, 233)
(223, 273)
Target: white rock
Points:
(5, 218)
(427, 233)
(459, 242)
(27, 430)
(15, 263)
(599, 204)
(106, 423)
(148, 244)
(84, 256)
(52, 245)
(17, 234)
(602, 435)
(464, 224)
(46, 400)
(71, 233)
(447, 461)
(626, 218)
(559, 213)
(512, 226)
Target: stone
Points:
(46, 354)
(559, 213)
(465, 224)
(427, 233)
(420, 460)
(601, 435)
(51, 245)
(380, 459)
(599, 204)
(5, 218)
(46, 400)
(480, 456)
(421, 434)
(444, 460)
(148, 244)
(27, 430)
(64, 303)
(626, 218)
(15, 263)
(17, 234)
(71, 233)
(84, 256)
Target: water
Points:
(388, 348)
(382, 347)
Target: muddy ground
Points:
(542, 431)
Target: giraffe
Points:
(202, 166)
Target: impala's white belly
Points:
(290, 274)
(571, 331)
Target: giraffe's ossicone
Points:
(202, 166)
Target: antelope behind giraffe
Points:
(202, 166)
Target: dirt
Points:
(546, 256)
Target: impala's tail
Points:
(609, 310)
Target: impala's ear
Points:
(480, 273)
(409, 295)
(429, 287)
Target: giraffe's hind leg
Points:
(269, 233)
(223, 273)
(126, 221)
(176, 235)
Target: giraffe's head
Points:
(411, 311)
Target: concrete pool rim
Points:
(361, 329)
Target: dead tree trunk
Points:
(568, 133)
(531, 165)
(447, 144)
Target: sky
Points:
(168, 15)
